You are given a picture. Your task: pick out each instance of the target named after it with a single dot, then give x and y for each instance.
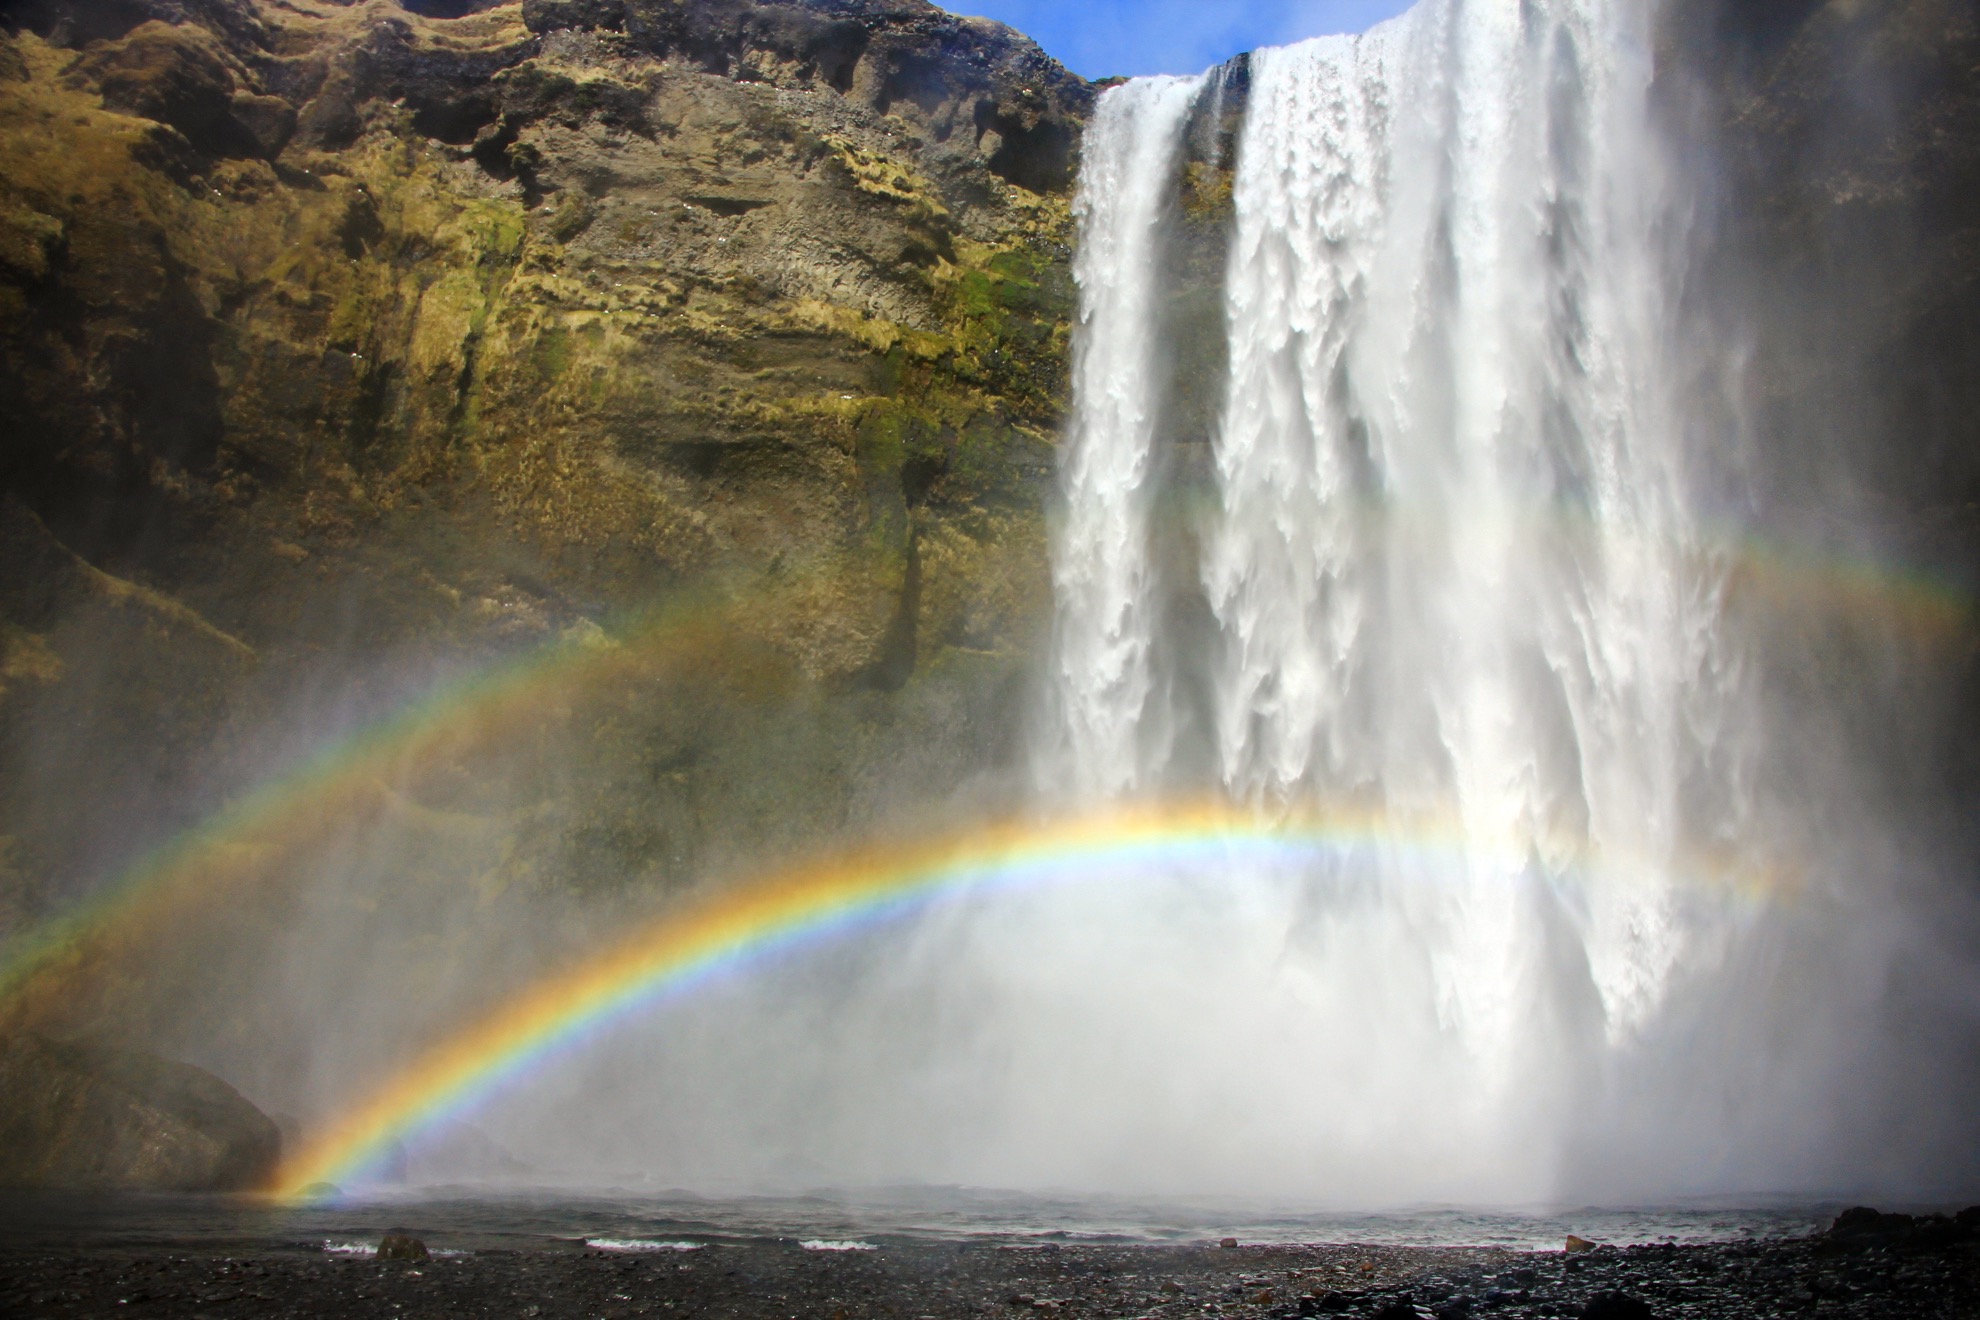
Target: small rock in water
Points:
(1616, 1306)
(1578, 1244)
(1228, 1243)
(400, 1245)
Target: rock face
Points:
(1840, 142)
(1848, 203)
(82, 1117)
(346, 347)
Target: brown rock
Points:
(1578, 1244)
(174, 75)
(88, 1116)
(400, 1245)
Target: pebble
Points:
(1870, 1270)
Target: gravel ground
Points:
(1898, 1273)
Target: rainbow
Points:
(321, 797)
(686, 946)
(327, 791)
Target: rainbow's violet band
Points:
(683, 947)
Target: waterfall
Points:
(1384, 550)
(1453, 567)
(1451, 556)
(1105, 627)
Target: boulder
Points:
(1862, 1227)
(1616, 1306)
(1865, 1221)
(1401, 1308)
(401, 1245)
(77, 1116)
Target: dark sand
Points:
(904, 1280)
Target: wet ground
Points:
(1890, 1275)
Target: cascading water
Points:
(1453, 566)
(1455, 578)
(1403, 553)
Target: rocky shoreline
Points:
(1868, 1265)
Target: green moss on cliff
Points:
(430, 343)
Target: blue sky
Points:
(1099, 38)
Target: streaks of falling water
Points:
(1452, 570)
(1105, 624)
(1453, 552)
(1453, 565)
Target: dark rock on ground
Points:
(766, 1280)
(91, 1116)
(399, 1245)
(1862, 1228)
(1616, 1306)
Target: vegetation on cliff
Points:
(348, 348)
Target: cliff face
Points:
(1845, 138)
(1839, 144)
(364, 330)
(349, 348)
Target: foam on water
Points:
(639, 1245)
